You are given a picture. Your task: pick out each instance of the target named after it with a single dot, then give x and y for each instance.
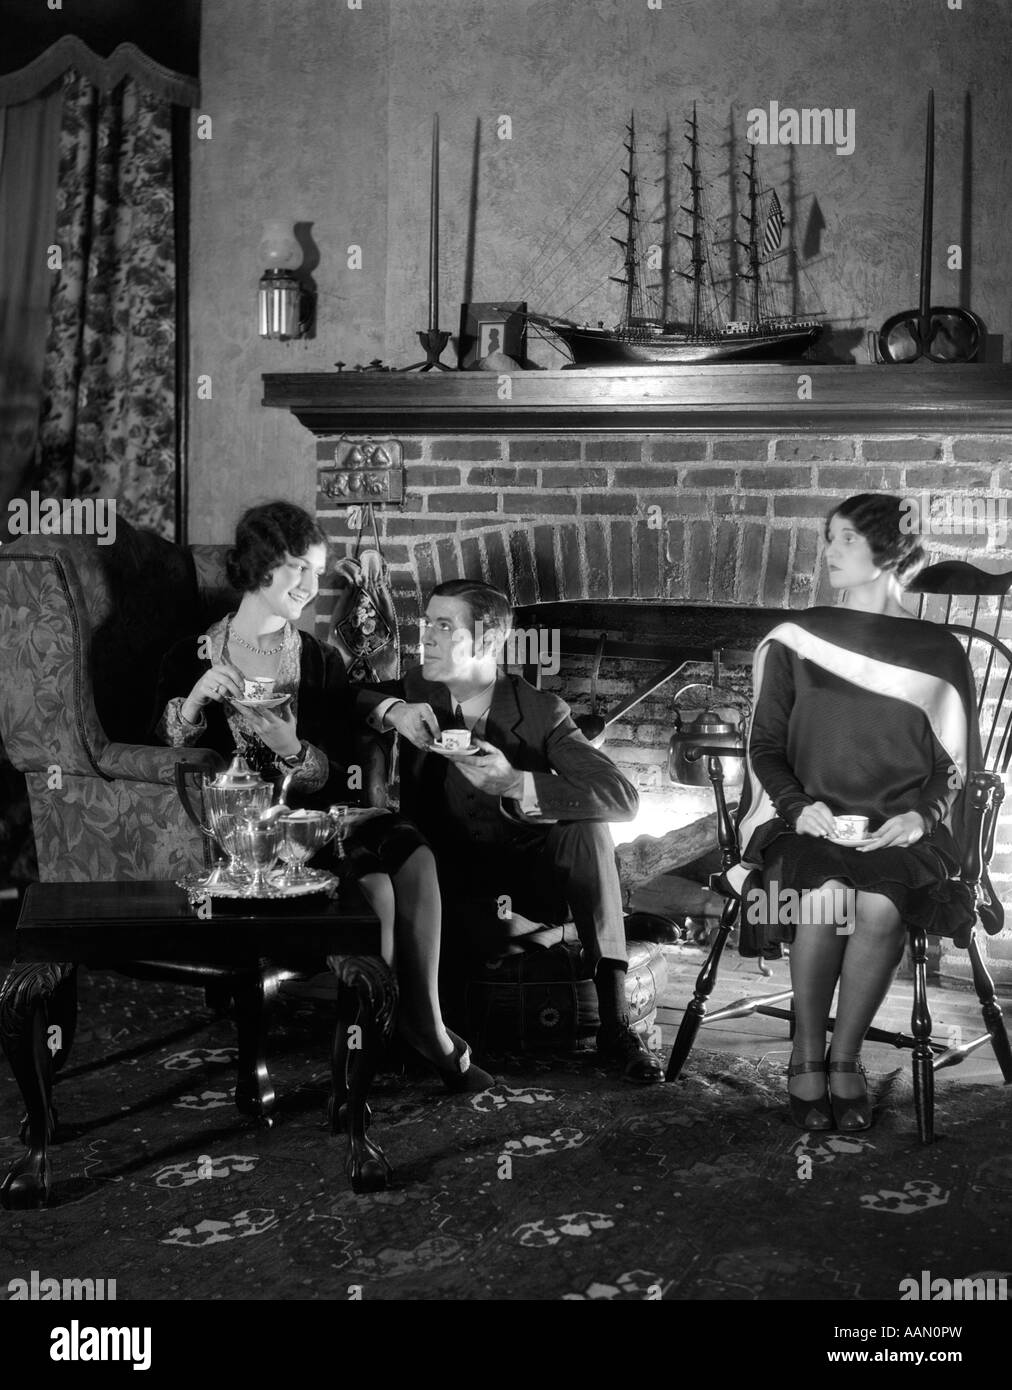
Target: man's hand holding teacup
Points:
(490, 771)
(417, 723)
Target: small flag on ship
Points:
(774, 227)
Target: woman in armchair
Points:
(861, 710)
(276, 564)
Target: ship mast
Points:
(631, 277)
(666, 228)
(753, 233)
(792, 203)
(733, 242)
(695, 238)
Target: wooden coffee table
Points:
(150, 930)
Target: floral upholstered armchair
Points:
(83, 628)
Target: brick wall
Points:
(703, 518)
(707, 518)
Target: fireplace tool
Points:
(592, 726)
(939, 335)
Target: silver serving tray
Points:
(196, 886)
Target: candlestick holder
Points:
(434, 341)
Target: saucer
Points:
(264, 702)
(467, 752)
(847, 844)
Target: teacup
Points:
(455, 740)
(851, 827)
(258, 688)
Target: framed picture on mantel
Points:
(486, 329)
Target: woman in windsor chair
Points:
(860, 710)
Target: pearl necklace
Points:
(260, 651)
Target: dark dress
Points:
(323, 701)
(873, 716)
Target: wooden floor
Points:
(758, 1036)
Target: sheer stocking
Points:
(816, 957)
(409, 907)
(869, 964)
(863, 960)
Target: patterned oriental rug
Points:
(560, 1183)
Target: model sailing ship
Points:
(644, 340)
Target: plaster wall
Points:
(323, 112)
(297, 96)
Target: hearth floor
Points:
(762, 1037)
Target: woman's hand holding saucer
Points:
(221, 682)
(897, 830)
(816, 819)
(275, 727)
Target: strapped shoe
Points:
(851, 1113)
(809, 1114)
(621, 1044)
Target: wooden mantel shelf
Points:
(918, 399)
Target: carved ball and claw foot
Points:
(38, 1016)
(367, 1004)
(249, 1101)
(365, 1167)
(255, 996)
(28, 1183)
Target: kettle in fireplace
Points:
(719, 724)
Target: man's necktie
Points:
(435, 770)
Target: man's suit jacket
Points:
(574, 781)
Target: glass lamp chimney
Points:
(279, 298)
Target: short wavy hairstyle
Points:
(264, 535)
(878, 517)
(489, 606)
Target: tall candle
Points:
(434, 232)
(924, 318)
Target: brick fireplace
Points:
(690, 518)
(632, 505)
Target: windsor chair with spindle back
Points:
(948, 592)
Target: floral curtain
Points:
(107, 424)
(29, 152)
(88, 89)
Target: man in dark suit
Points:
(519, 828)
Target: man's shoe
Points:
(626, 1047)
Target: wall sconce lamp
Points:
(282, 302)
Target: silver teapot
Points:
(227, 797)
